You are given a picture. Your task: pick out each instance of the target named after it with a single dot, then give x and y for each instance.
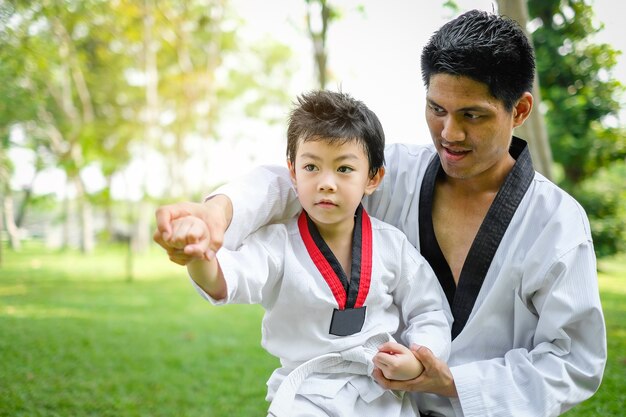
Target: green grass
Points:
(77, 338)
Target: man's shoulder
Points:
(551, 194)
(408, 162)
(410, 150)
(549, 203)
(274, 232)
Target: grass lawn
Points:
(79, 339)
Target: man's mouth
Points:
(455, 153)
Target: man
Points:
(512, 251)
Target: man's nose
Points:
(452, 130)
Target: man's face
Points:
(470, 128)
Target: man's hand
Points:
(216, 213)
(436, 377)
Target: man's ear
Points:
(522, 109)
(374, 181)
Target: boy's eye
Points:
(344, 169)
(309, 167)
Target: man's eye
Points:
(472, 116)
(437, 109)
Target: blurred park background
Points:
(110, 108)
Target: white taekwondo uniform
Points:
(529, 337)
(274, 267)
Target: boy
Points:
(334, 283)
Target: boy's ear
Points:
(292, 172)
(374, 181)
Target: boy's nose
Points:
(327, 183)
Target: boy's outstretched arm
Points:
(397, 362)
(190, 231)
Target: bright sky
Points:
(373, 55)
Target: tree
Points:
(56, 54)
(319, 15)
(99, 84)
(577, 88)
(534, 129)
(581, 97)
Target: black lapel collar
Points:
(487, 240)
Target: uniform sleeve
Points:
(253, 271)
(423, 306)
(396, 200)
(381, 204)
(566, 362)
(265, 195)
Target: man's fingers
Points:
(380, 378)
(157, 236)
(196, 250)
(387, 383)
(178, 258)
(215, 238)
(166, 214)
(172, 234)
(423, 354)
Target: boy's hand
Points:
(436, 377)
(189, 234)
(215, 213)
(397, 362)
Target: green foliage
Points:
(580, 96)
(98, 83)
(576, 86)
(604, 195)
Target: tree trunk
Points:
(87, 241)
(9, 222)
(319, 9)
(67, 218)
(141, 234)
(534, 129)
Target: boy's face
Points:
(469, 127)
(331, 180)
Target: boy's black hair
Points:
(336, 117)
(486, 47)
